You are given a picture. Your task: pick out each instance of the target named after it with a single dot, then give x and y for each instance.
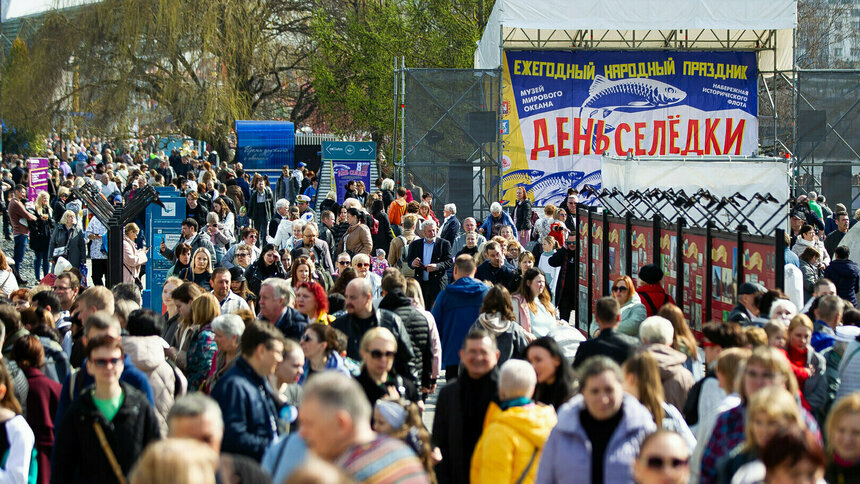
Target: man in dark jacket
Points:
(834, 238)
(450, 225)
(431, 258)
(312, 241)
(194, 209)
(608, 342)
(566, 286)
(281, 186)
(395, 300)
(493, 269)
(114, 417)
(361, 316)
(845, 275)
(190, 236)
(275, 299)
(462, 406)
(245, 396)
(746, 309)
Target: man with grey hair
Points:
(656, 333)
(361, 315)
(513, 438)
(431, 258)
(469, 225)
(334, 421)
(275, 307)
(450, 225)
(282, 211)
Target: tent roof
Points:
(642, 24)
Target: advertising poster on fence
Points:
(724, 257)
(344, 171)
(561, 110)
(642, 245)
(695, 279)
(38, 180)
(759, 263)
(617, 247)
(668, 262)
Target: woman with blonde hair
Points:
(549, 245)
(40, 235)
(631, 310)
(765, 367)
(642, 380)
(533, 305)
(770, 409)
(176, 461)
(200, 270)
(182, 297)
(202, 348)
(132, 257)
(843, 446)
(684, 341)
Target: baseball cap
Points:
(301, 164)
(847, 334)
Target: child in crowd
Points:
(379, 263)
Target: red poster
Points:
(642, 246)
(695, 278)
(668, 259)
(596, 260)
(617, 248)
(723, 276)
(760, 261)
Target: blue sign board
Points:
(162, 225)
(265, 145)
(344, 171)
(349, 150)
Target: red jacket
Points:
(653, 296)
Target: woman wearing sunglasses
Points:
(319, 344)
(663, 458)
(377, 377)
(632, 310)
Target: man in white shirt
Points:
(229, 300)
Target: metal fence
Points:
(450, 142)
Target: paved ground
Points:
(8, 247)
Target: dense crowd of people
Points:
(299, 340)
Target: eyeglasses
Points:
(307, 339)
(570, 242)
(658, 463)
(103, 362)
(343, 262)
(619, 289)
(243, 254)
(376, 354)
(361, 264)
(252, 236)
(61, 288)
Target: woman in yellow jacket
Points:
(515, 431)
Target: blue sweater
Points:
(456, 308)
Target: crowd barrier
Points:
(703, 262)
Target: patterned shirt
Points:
(383, 461)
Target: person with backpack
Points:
(650, 292)
(400, 245)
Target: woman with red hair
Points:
(311, 300)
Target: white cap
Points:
(847, 334)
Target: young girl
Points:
(776, 335)
(549, 245)
(379, 263)
(401, 419)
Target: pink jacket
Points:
(131, 260)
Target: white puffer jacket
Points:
(147, 354)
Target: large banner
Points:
(563, 109)
(38, 178)
(344, 171)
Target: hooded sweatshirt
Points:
(147, 354)
(455, 310)
(677, 380)
(511, 439)
(510, 338)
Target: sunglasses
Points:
(343, 262)
(619, 289)
(244, 254)
(252, 236)
(103, 362)
(361, 264)
(659, 463)
(376, 354)
(307, 339)
(570, 242)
